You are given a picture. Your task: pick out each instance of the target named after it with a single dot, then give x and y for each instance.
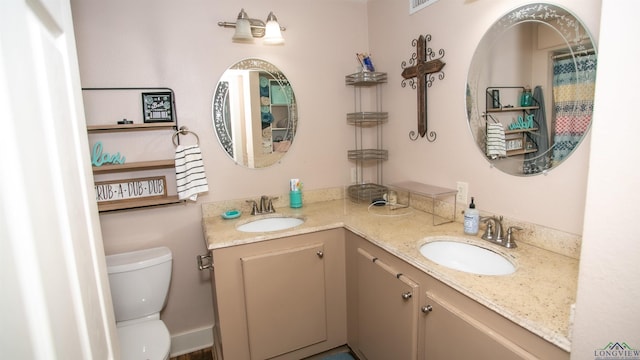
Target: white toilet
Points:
(139, 282)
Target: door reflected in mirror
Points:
(530, 89)
(255, 117)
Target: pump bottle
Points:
(471, 219)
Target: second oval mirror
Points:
(254, 113)
(530, 89)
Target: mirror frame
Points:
(221, 120)
(565, 23)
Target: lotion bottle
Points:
(471, 219)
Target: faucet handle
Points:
(487, 219)
(270, 207)
(488, 234)
(254, 207)
(511, 241)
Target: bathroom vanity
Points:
(396, 311)
(280, 297)
(347, 276)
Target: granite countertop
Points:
(538, 296)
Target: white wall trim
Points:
(190, 341)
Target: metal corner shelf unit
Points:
(159, 164)
(368, 151)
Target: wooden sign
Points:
(99, 159)
(131, 189)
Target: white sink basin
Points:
(467, 257)
(270, 224)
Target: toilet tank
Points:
(139, 282)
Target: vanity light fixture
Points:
(247, 29)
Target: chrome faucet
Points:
(265, 207)
(263, 204)
(498, 222)
(496, 235)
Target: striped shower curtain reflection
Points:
(573, 91)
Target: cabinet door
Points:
(452, 334)
(387, 311)
(285, 300)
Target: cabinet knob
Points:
(427, 309)
(407, 295)
(320, 254)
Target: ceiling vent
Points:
(417, 5)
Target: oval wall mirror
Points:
(254, 113)
(530, 89)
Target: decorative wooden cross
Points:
(423, 66)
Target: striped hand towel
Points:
(496, 146)
(190, 176)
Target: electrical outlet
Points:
(463, 191)
(354, 175)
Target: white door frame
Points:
(55, 301)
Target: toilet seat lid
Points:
(148, 340)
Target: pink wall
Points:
(556, 200)
(178, 44)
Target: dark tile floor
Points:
(209, 354)
(204, 354)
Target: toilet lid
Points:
(148, 340)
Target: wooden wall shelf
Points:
(134, 166)
(131, 127)
(138, 203)
(508, 109)
(159, 164)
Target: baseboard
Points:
(190, 341)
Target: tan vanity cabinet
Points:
(383, 304)
(452, 334)
(280, 299)
(448, 324)
(457, 327)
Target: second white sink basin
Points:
(466, 257)
(270, 224)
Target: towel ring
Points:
(184, 131)
(489, 116)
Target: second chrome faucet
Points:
(495, 233)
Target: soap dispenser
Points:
(471, 219)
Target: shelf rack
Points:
(519, 136)
(140, 165)
(131, 127)
(361, 120)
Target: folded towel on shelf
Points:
(496, 144)
(191, 178)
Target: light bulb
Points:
(243, 28)
(273, 35)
